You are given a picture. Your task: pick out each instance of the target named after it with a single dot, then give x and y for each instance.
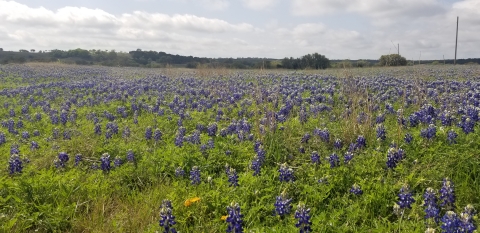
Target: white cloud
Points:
(259, 4)
(370, 8)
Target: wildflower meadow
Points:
(111, 149)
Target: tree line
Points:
(154, 59)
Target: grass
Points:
(44, 198)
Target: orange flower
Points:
(224, 217)
(189, 201)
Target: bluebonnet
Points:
(12, 112)
(157, 135)
(430, 132)
(466, 220)
(210, 144)
(228, 152)
(381, 133)
(337, 144)
(179, 172)
(408, 138)
(78, 159)
(15, 164)
(405, 198)
(234, 218)
(233, 177)
(361, 142)
(256, 165)
(302, 214)
(66, 135)
(347, 157)
(394, 156)
(286, 173)
(97, 129)
(467, 125)
(323, 134)
(35, 133)
(446, 118)
(430, 203)
(14, 149)
(38, 116)
(117, 162)
(212, 129)
(315, 157)
(333, 160)
(167, 219)
(447, 194)
(3, 138)
(148, 133)
(20, 124)
(195, 138)
(195, 175)
(130, 156)
(105, 162)
(380, 119)
(283, 204)
(54, 119)
(25, 135)
(356, 189)
(305, 138)
(62, 160)
(301, 149)
(452, 136)
(34, 145)
(450, 222)
(63, 117)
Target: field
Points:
(97, 149)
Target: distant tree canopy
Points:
(312, 61)
(392, 60)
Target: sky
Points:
(338, 29)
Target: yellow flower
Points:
(189, 201)
(224, 217)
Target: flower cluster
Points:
(286, 173)
(283, 204)
(167, 219)
(234, 218)
(302, 214)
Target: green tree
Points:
(392, 60)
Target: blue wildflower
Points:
(283, 204)
(447, 194)
(167, 219)
(15, 164)
(405, 198)
(234, 219)
(286, 173)
(302, 214)
(356, 189)
(105, 162)
(333, 160)
(315, 157)
(195, 175)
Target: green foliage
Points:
(309, 61)
(392, 60)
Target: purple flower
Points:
(408, 138)
(450, 222)
(195, 175)
(315, 157)
(179, 172)
(130, 156)
(256, 166)
(405, 198)
(234, 218)
(157, 135)
(337, 144)
(430, 203)
(356, 189)
(78, 159)
(148, 133)
(34, 145)
(347, 157)
(167, 219)
(381, 133)
(452, 136)
(105, 162)
(283, 204)
(302, 214)
(15, 164)
(361, 142)
(429, 133)
(305, 138)
(117, 162)
(233, 177)
(447, 194)
(333, 160)
(286, 173)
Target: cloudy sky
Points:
(339, 29)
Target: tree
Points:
(1, 49)
(32, 50)
(392, 60)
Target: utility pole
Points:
(398, 47)
(456, 42)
